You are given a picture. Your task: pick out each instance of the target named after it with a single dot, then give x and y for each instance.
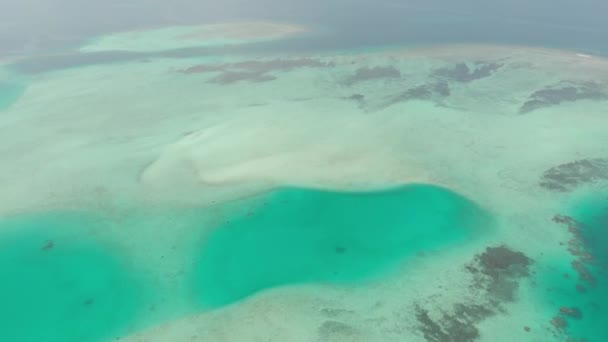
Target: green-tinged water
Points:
(9, 93)
(593, 214)
(65, 279)
(303, 236)
(581, 280)
(61, 285)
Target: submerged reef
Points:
(569, 176)
(577, 246)
(434, 91)
(497, 271)
(496, 274)
(563, 92)
(358, 98)
(228, 77)
(456, 326)
(332, 330)
(424, 92)
(464, 73)
(364, 74)
(582, 314)
(253, 71)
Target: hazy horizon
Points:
(41, 26)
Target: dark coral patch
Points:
(569, 176)
(587, 246)
(496, 273)
(501, 259)
(253, 71)
(358, 98)
(584, 273)
(431, 91)
(463, 72)
(581, 288)
(229, 77)
(564, 92)
(431, 330)
(50, 244)
(332, 330)
(498, 270)
(572, 312)
(331, 312)
(577, 246)
(425, 92)
(367, 74)
(559, 323)
(460, 325)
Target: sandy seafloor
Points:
(163, 150)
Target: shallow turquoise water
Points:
(10, 93)
(302, 236)
(559, 281)
(62, 282)
(593, 213)
(59, 284)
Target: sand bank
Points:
(192, 36)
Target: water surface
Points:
(311, 236)
(59, 284)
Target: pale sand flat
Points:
(178, 37)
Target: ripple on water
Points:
(58, 284)
(301, 236)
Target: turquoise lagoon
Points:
(61, 282)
